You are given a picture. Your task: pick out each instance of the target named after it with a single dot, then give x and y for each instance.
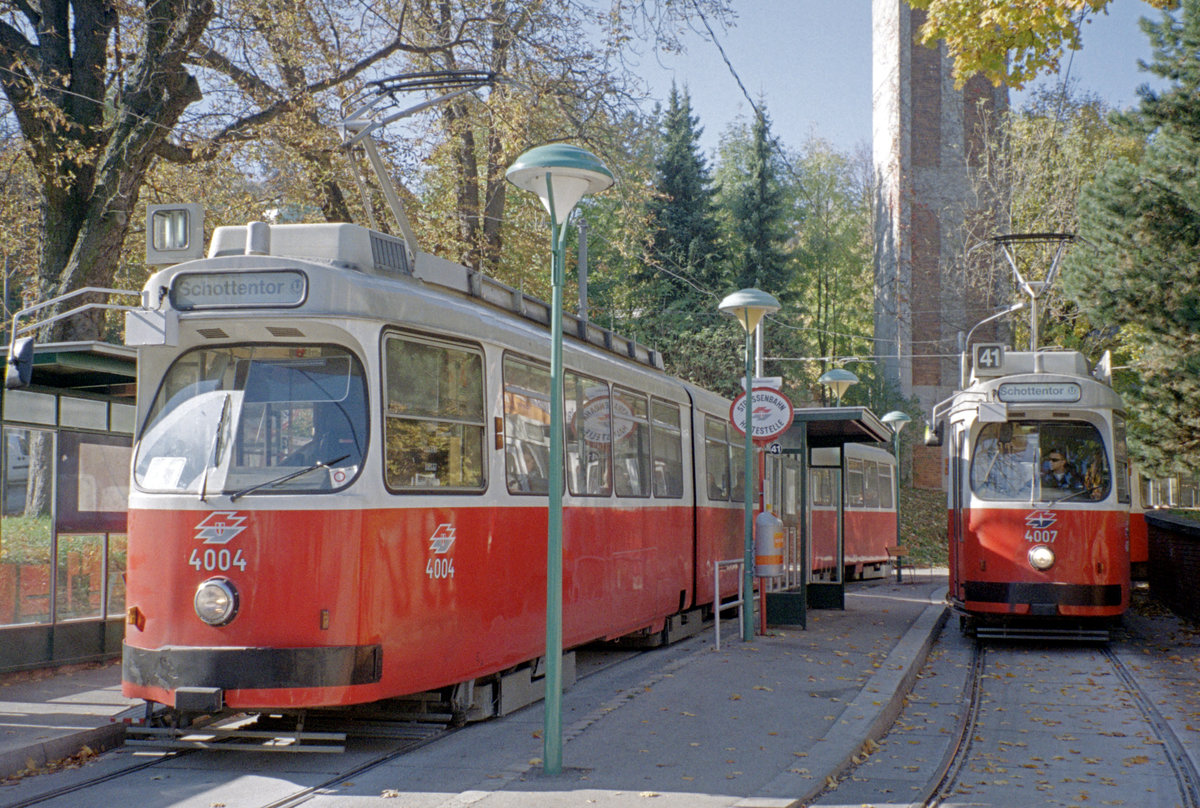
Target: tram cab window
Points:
(434, 422)
(526, 426)
(236, 418)
(587, 415)
(1035, 461)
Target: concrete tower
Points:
(929, 140)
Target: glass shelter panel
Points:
(26, 531)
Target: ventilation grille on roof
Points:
(212, 333)
(277, 331)
(389, 255)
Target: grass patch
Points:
(923, 525)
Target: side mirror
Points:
(933, 435)
(19, 368)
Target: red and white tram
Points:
(869, 526)
(1038, 497)
(340, 471)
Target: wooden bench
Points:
(896, 556)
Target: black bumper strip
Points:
(1056, 594)
(252, 668)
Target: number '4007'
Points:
(440, 568)
(222, 560)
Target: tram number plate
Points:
(440, 568)
(1041, 536)
(213, 560)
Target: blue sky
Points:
(810, 60)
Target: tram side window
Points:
(822, 487)
(737, 452)
(1121, 473)
(885, 486)
(716, 458)
(631, 443)
(435, 424)
(587, 412)
(666, 438)
(526, 426)
(854, 483)
(870, 483)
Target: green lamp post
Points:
(749, 306)
(560, 175)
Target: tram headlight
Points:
(216, 601)
(1041, 557)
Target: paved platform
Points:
(758, 724)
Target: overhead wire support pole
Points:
(360, 125)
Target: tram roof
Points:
(835, 426)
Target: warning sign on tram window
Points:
(772, 414)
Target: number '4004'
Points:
(440, 568)
(222, 560)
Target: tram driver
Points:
(1060, 473)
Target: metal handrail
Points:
(718, 606)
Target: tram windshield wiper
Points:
(214, 458)
(322, 464)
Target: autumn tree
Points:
(1010, 43)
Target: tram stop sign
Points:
(773, 414)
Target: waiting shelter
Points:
(790, 465)
(64, 485)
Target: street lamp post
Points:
(897, 420)
(839, 380)
(560, 175)
(749, 306)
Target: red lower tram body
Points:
(995, 582)
(866, 535)
(344, 606)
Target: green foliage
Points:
(683, 253)
(753, 204)
(1008, 42)
(1141, 273)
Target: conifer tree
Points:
(754, 199)
(683, 253)
(1140, 268)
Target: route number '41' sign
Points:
(773, 414)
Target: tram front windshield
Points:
(1040, 461)
(255, 419)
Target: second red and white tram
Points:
(1038, 502)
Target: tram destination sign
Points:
(276, 288)
(1032, 392)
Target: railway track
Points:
(372, 743)
(1030, 724)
